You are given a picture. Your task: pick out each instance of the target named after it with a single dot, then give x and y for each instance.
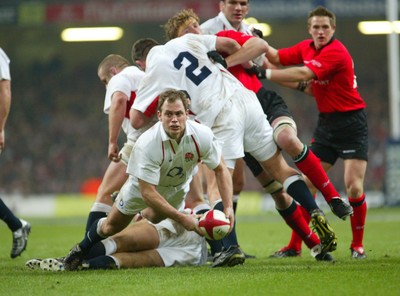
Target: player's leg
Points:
(238, 180)
(295, 186)
(258, 140)
(113, 179)
(354, 174)
(195, 197)
(285, 135)
(100, 229)
(20, 229)
(293, 216)
(225, 252)
(147, 258)
(133, 247)
(124, 209)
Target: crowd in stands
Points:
(57, 132)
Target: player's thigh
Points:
(195, 194)
(147, 258)
(138, 236)
(114, 177)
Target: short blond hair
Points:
(172, 26)
(112, 60)
(171, 96)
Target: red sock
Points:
(310, 166)
(298, 221)
(358, 220)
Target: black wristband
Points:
(302, 85)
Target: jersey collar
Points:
(227, 25)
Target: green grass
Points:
(260, 235)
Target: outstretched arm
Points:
(224, 182)
(158, 203)
(251, 49)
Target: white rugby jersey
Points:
(4, 66)
(182, 63)
(127, 81)
(221, 23)
(160, 160)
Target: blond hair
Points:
(171, 96)
(112, 60)
(172, 26)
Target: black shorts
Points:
(341, 135)
(272, 104)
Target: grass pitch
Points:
(260, 235)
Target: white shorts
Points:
(179, 247)
(130, 202)
(242, 126)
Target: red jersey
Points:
(335, 89)
(250, 81)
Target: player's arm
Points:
(273, 56)
(251, 49)
(5, 103)
(155, 201)
(115, 118)
(226, 45)
(292, 74)
(224, 182)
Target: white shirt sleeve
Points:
(117, 83)
(4, 66)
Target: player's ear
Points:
(159, 115)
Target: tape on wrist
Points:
(268, 74)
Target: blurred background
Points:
(57, 132)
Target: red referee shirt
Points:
(335, 88)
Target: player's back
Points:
(182, 63)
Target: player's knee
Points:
(285, 131)
(273, 187)
(286, 138)
(106, 229)
(354, 191)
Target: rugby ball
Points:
(214, 225)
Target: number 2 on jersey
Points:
(194, 65)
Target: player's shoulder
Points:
(199, 130)
(129, 75)
(212, 26)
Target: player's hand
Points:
(190, 223)
(229, 214)
(113, 152)
(259, 72)
(257, 33)
(216, 57)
